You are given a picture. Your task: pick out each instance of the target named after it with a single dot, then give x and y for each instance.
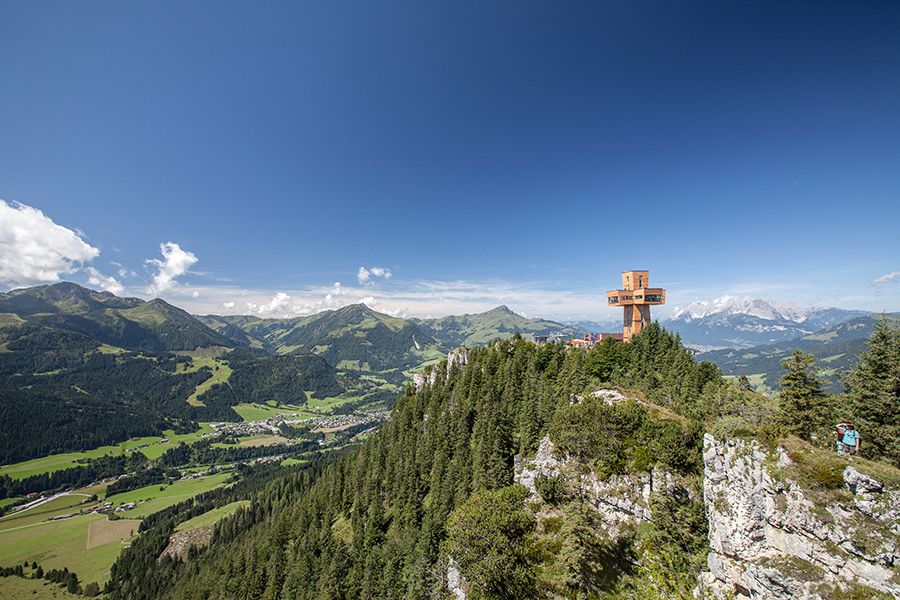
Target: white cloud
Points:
(122, 270)
(365, 275)
(34, 249)
(175, 263)
(228, 305)
(107, 283)
(279, 304)
(887, 277)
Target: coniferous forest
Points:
(384, 520)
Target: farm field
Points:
(58, 544)
(151, 499)
(87, 544)
(66, 504)
(255, 440)
(17, 587)
(7, 501)
(261, 412)
(58, 462)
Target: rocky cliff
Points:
(783, 523)
(772, 536)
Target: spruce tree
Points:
(873, 389)
(800, 394)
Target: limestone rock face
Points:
(456, 583)
(181, 542)
(770, 538)
(620, 500)
(460, 357)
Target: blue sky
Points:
(478, 153)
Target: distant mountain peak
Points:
(744, 305)
(502, 309)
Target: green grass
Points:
(59, 544)
(821, 337)
(289, 462)
(219, 375)
(17, 587)
(151, 499)
(58, 462)
(56, 544)
(260, 412)
(212, 516)
(8, 501)
(253, 440)
(758, 381)
(329, 404)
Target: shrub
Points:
(734, 427)
(550, 487)
(490, 537)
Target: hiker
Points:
(839, 434)
(850, 440)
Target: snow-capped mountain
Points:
(744, 321)
(742, 305)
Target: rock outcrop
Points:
(428, 377)
(620, 500)
(771, 538)
(181, 542)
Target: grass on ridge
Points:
(212, 516)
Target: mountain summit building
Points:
(635, 297)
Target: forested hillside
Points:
(375, 524)
(81, 369)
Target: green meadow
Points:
(260, 412)
(220, 374)
(58, 462)
(151, 499)
(88, 544)
(212, 516)
(17, 587)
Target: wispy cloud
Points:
(887, 277)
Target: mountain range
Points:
(358, 338)
(835, 349)
(743, 322)
(81, 368)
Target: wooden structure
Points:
(636, 297)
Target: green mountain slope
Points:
(81, 369)
(358, 338)
(380, 522)
(128, 323)
(483, 328)
(835, 349)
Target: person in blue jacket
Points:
(851, 440)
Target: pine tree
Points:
(873, 388)
(800, 394)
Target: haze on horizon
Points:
(430, 160)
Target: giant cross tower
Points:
(635, 297)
